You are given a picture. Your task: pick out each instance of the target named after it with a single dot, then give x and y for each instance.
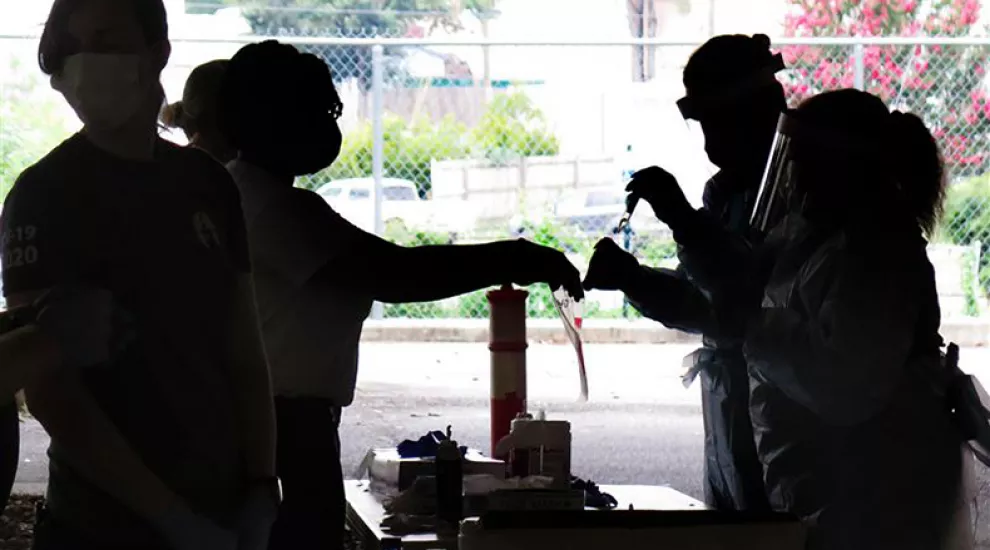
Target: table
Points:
(365, 514)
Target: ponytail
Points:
(918, 168)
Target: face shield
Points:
(805, 157)
(774, 194)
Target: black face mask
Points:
(311, 149)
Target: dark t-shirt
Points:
(167, 238)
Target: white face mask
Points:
(105, 90)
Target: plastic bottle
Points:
(450, 482)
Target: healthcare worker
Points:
(196, 113)
(844, 345)
(733, 94)
(169, 445)
(318, 275)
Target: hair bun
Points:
(173, 114)
(762, 40)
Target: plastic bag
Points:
(569, 310)
(969, 404)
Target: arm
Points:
(94, 448)
(304, 240)
(25, 354)
(252, 383)
(244, 349)
(840, 343)
(668, 297)
(397, 274)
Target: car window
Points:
(358, 194)
(604, 198)
(399, 193)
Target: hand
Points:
(660, 189)
(532, 263)
(186, 530)
(80, 322)
(257, 516)
(610, 267)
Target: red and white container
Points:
(507, 343)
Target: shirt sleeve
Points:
(298, 234)
(36, 246)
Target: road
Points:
(639, 426)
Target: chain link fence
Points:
(473, 141)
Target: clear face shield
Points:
(775, 190)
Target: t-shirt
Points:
(311, 329)
(167, 238)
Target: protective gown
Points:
(733, 474)
(851, 434)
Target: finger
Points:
(649, 171)
(574, 287)
(603, 244)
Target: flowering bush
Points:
(942, 84)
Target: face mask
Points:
(105, 90)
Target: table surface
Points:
(365, 512)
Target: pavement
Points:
(640, 424)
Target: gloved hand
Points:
(660, 189)
(610, 267)
(257, 516)
(186, 530)
(532, 263)
(80, 321)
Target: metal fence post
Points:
(378, 145)
(860, 67)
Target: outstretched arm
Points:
(396, 274)
(309, 241)
(669, 298)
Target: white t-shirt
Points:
(311, 329)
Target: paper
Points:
(569, 310)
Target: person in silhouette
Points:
(318, 275)
(169, 445)
(733, 95)
(196, 113)
(843, 346)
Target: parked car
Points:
(401, 204)
(594, 212)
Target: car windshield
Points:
(399, 193)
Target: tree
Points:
(357, 19)
(942, 84)
(30, 126)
